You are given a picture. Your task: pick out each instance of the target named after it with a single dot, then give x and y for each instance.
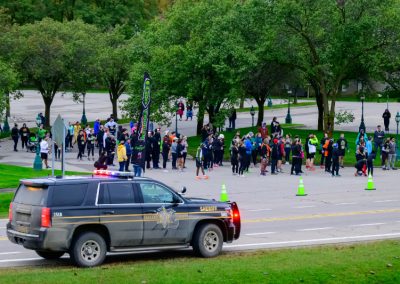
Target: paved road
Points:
(336, 210)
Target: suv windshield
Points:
(31, 195)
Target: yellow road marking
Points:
(322, 215)
(3, 238)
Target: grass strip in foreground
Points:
(377, 262)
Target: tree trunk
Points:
(211, 114)
(200, 119)
(8, 113)
(114, 103)
(241, 105)
(47, 105)
(320, 106)
(260, 117)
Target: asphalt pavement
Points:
(336, 210)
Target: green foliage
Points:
(344, 117)
(8, 82)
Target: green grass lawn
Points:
(293, 130)
(10, 176)
(278, 106)
(377, 262)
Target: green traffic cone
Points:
(300, 189)
(370, 183)
(224, 194)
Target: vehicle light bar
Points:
(113, 173)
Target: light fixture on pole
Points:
(288, 119)
(252, 113)
(176, 119)
(83, 119)
(397, 119)
(362, 124)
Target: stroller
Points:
(32, 142)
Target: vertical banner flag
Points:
(139, 146)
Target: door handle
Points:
(109, 212)
(150, 212)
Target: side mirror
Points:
(183, 191)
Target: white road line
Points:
(308, 206)
(316, 240)
(314, 229)
(346, 203)
(257, 234)
(382, 201)
(256, 210)
(20, 259)
(370, 224)
(10, 252)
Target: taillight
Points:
(10, 215)
(46, 219)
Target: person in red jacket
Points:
(263, 129)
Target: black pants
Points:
(370, 167)
(127, 162)
(174, 157)
(156, 159)
(15, 138)
(322, 159)
(328, 163)
(165, 159)
(247, 161)
(24, 142)
(274, 163)
(235, 166)
(90, 149)
(80, 151)
(335, 166)
(242, 165)
(254, 156)
(101, 148)
(296, 165)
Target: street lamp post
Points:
(83, 119)
(37, 162)
(252, 113)
(387, 101)
(176, 120)
(288, 119)
(362, 124)
(6, 126)
(397, 119)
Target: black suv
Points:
(88, 216)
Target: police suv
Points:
(87, 217)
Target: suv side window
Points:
(155, 193)
(69, 194)
(116, 193)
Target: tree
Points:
(9, 81)
(329, 49)
(115, 61)
(46, 54)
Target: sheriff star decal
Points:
(167, 218)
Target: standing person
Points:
(15, 136)
(249, 147)
(370, 163)
(181, 109)
(386, 119)
(179, 153)
(174, 153)
(328, 146)
(24, 133)
(288, 147)
(41, 133)
(392, 153)
(385, 154)
(296, 157)
(70, 135)
(38, 119)
(156, 148)
(128, 154)
(112, 126)
(149, 149)
(121, 154)
(379, 136)
(96, 126)
(77, 128)
(165, 151)
(185, 149)
(312, 149)
(137, 169)
(91, 138)
(274, 156)
(335, 160)
(242, 158)
(281, 154)
(322, 143)
(199, 162)
(189, 111)
(263, 129)
(232, 119)
(99, 139)
(343, 146)
(264, 153)
(235, 158)
(275, 127)
(368, 145)
(80, 140)
(44, 151)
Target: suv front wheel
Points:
(50, 254)
(89, 249)
(207, 240)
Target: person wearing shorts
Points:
(44, 151)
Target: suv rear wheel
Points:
(207, 240)
(89, 249)
(50, 254)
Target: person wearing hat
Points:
(335, 160)
(121, 154)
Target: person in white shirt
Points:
(44, 151)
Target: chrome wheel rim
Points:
(211, 241)
(90, 251)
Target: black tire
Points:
(50, 254)
(207, 240)
(88, 249)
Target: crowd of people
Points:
(268, 149)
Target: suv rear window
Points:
(31, 195)
(69, 194)
(116, 193)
